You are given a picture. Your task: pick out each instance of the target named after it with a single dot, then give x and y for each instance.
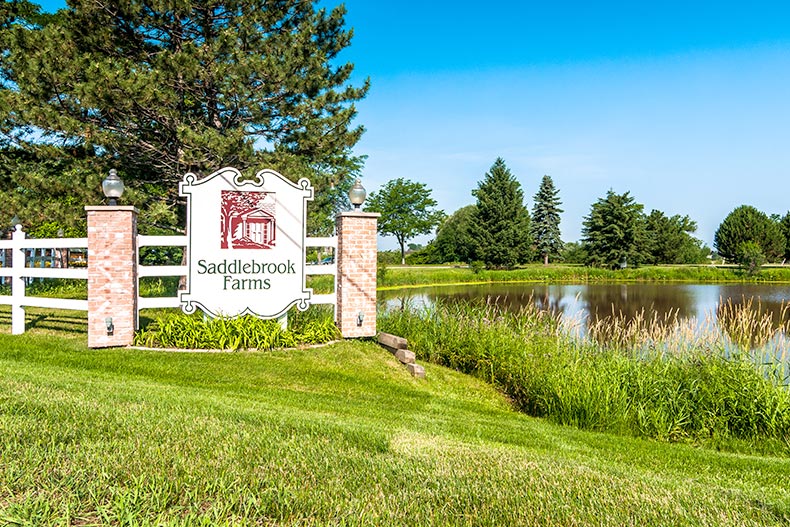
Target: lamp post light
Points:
(357, 194)
(113, 187)
(14, 222)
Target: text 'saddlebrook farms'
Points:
(242, 275)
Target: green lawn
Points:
(393, 277)
(338, 435)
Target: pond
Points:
(695, 304)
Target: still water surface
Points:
(593, 301)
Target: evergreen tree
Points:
(159, 89)
(747, 224)
(545, 225)
(614, 232)
(48, 189)
(750, 257)
(407, 210)
(500, 225)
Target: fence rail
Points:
(149, 302)
(56, 272)
(21, 270)
(146, 302)
(312, 269)
(144, 240)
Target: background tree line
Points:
(159, 89)
(498, 230)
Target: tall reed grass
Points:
(628, 377)
(749, 324)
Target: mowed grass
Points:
(392, 277)
(338, 435)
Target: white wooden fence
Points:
(23, 268)
(19, 272)
(310, 269)
(144, 302)
(181, 270)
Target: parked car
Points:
(329, 260)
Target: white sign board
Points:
(246, 249)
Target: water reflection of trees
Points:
(624, 315)
(599, 301)
(661, 301)
(550, 298)
(510, 297)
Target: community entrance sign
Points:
(246, 249)
(245, 254)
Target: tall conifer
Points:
(614, 232)
(500, 225)
(546, 220)
(157, 89)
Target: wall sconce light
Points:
(357, 194)
(109, 324)
(360, 318)
(113, 187)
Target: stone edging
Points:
(398, 346)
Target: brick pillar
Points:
(112, 275)
(356, 273)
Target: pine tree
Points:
(545, 225)
(500, 224)
(159, 89)
(614, 232)
(48, 189)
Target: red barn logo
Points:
(246, 243)
(248, 220)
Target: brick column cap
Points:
(130, 208)
(358, 214)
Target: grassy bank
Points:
(393, 277)
(650, 384)
(340, 435)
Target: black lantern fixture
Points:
(113, 187)
(16, 223)
(357, 194)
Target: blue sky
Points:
(684, 104)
